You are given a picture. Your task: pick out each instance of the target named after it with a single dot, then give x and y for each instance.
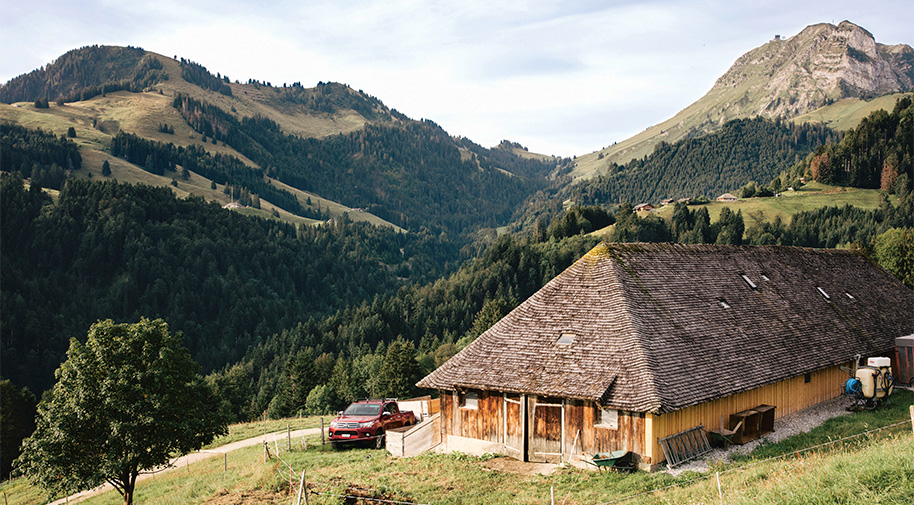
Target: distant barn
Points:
(727, 197)
(637, 342)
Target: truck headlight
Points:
(367, 424)
(333, 424)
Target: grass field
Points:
(873, 468)
(755, 210)
(846, 114)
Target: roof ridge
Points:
(634, 338)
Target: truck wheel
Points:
(379, 439)
(336, 446)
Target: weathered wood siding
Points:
(788, 396)
(552, 425)
(482, 423)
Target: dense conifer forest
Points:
(109, 250)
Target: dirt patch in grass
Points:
(511, 465)
(247, 498)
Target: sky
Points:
(560, 77)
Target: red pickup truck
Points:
(367, 420)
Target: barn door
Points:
(546, 430)
(514, 426)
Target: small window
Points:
(608, 418)
(566, 339)
(723, 304)
(749, 281)
(850, 296)
(807, 378)
(765, 278)
(822, 291)
(469, 400)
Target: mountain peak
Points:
(821, 64)
(783, 78)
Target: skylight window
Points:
(850, 296)
(823, 293)
(765, 278)
(723, 304)
(749, 281)
(566, 339)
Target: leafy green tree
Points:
(321, 400)
(124, 402)
(894, 250)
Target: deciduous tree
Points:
(124, 402)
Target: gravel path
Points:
(789, 425)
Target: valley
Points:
(312, 245)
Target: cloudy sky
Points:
(560, 77)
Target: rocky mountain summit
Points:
(782, 78)
(821, 64)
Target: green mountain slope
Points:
(782, 78)
(328, 141)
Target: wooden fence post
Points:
(301, 489)
(289, 437)
(224, 461)
(912, 417)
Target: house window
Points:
(608, 418)
(469, 400)
(807, 378)
(566, 339)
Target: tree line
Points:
(37, 155)
(877, 154)
(160, 157)
(412, 174)
(196, 73)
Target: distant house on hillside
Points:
(668, 201)
(637, 342)
(233, 205)
(644, 207)
(726, 197)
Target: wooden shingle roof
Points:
(660, 327)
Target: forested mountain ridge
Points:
(110, 250)
(782, 78)
(741, 151)
(329, 140)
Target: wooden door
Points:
(514, 426)
(544, 440)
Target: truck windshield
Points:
(362, 409)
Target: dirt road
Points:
(193, 458)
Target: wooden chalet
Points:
(637, 342)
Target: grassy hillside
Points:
(846, 114)
(874, 468)
(142, 113)
(810, 197)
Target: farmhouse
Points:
(637, 342)
(727, 197)
(643, 207)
